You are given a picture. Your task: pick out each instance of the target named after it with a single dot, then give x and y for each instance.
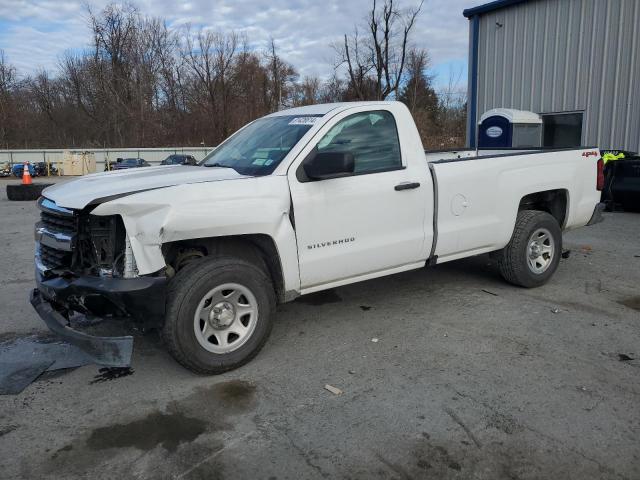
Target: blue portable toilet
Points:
(509, 128)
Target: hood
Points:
(94, 188)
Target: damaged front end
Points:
(84, 263)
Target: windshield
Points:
(261, 146)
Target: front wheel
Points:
(533, 253)
(219, 314)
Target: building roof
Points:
(489, 7)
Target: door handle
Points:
(407, 186)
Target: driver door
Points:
(369, 222)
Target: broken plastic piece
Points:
(332, 389)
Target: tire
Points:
(19, 192)
(516, 262)
(187, 295)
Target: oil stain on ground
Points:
(206, 411)
(631, 302)
(168, 430)
(235, 395)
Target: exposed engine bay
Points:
(72, 241)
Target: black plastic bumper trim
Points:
(141, 298)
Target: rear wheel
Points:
(533, 253)
(219, 314)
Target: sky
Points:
(35, 34)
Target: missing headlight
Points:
(101, 246)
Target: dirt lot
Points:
(470, 378)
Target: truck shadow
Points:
(469, 272)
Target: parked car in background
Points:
(41, 169)
(5, 169)
(18, 168)
(110, 165)
(179, 159)
(131, 163)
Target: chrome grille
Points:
(53, 258)
(55, 236)
(57, 223)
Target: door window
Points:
(372, 139)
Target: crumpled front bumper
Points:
(142, 299)
(108, 351)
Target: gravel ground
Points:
(469, 378)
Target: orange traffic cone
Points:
(26, 175)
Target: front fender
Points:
(256, 205)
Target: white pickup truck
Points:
(299, 201)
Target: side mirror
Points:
(325, 165)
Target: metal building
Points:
(575, 62)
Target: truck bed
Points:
(442, 156)
(472, 153)
(472, 214)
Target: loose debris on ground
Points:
(106, 374)
(490, 292)
(24, 358)
(332, 389)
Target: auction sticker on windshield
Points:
(303, 121)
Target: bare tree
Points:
(140, 83)
(307, 92)
(7, 87)
(375, 63)
(210, 57)
(282, 75)
(453, 107)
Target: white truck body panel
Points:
(253, 205)
(365, 210)
(344, 229)
(478, 199)
(82, 191)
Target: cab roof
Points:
(324, 108)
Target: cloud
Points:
(36, 34)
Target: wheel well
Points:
(258, 249)
(554, 202)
